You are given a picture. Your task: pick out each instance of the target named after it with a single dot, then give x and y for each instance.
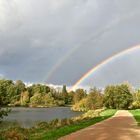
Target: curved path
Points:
(122, 126)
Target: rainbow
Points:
(106, 61)
(92, 37)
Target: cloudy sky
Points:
(59, 41)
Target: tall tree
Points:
(118, 96)
(94, 99)
(79, 95)
(64, 94)
(20, 86)
(5, 91)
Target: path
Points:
(122, 126)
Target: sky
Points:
(57, 42)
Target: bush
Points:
(3, 112)
(54, 123)
(15, 134)
(42, 125)
(80, 106)
(64, 122)
(135, 105)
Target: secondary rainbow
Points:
(106, 61)
(92, 37)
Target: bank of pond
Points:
(48, 130)
(43, 123)
(28, 117)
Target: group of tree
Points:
(120, 96)
(87, 101)
(16, 93)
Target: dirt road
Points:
(122, 126)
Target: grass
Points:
(136, 114)
(57, 133)
(7, 124)
(54, 129)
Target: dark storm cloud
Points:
(36, 35)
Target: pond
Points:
(27, 117)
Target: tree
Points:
(64, 94)
(81, 105)
(44, 89)
(79, 95)
(37, 99)
(64, 89)
(4, 96)
(24, 98)
(136, 99)
(38, 88)
(20, 87)
(94, 99)
(49, 100)
(42, 100)
(109, 94)
(123, 96)
(5, 92)
(13, 94)
(118, 96)
(70, 97)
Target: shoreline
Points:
(34, 106)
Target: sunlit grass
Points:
(108, 112)
(7, 124)
(54, 129)
(57, 133)
(136, 114)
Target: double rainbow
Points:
(106, 61)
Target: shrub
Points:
(135, 105)
(80, 106)
(54, 123)
(42, 125)
(3, 112)
(15, 134)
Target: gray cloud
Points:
(121, 69)
(37, 35)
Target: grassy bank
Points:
(136, 114)
(56, 128)
(57, 133)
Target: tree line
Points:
(120, 96)
(17, 94)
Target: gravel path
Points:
(122, 126)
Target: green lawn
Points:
(57, 133)
(136, 114)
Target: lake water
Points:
(27, 117)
